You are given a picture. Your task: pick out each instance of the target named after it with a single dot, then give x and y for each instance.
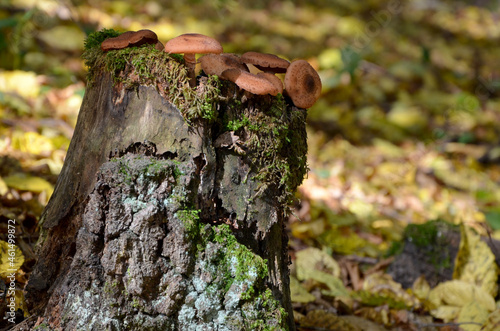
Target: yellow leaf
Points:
(315, 264)
(381, 284)
(24, 83)
(406, 116)
(28, 183)
(472, 316)
(360, 208)
(421, 288)
(493, 322)
(446, 313)
(306, 230)
(348, 242)
(475, 263)
(299, 293)
(311, 260)
(3, 187)
(330, 58)
(388, 149)
(457, 294)
(335, 286)
(32, 142)
(11, 259)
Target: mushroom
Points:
(129, 39)
(191, 44)
(302, 84)
(215, 64)
(250, 82)
(273, 79)
(266, 62)
(159, 46)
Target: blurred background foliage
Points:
(406, 130)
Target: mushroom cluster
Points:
(301, 83)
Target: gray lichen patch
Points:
(142, 263)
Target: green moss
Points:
(205, 105)
(432, 239)
(92, 45)
(190, 219)
(245, 262)
(235, 125)
(95, 39)
(395, 249)
(145, 65)
(242, 265)
(272, 310)
(125, 171)
(276, 143)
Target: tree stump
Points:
(169, 211)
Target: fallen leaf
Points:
(299, 293)
(379, 286)
(472, 316)
(25, 182)
(3, 187)
(312, 263)
(449, 298)
(475, 263)
(311, 260)
(24, 83)
(11, 259)
(493, 321)
(421, 288)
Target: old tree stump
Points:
(169, 211)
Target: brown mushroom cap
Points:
(273, 79)
(159, 46)
(302, 84)
(250, 82)
(129, 39)
(266, 62)
(216, 64)
(146, 35)
(193, 43)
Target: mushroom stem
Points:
(190, 60)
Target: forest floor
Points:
(404, 153)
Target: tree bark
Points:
(169, 213)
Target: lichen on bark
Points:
(147, 258)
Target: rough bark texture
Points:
(155, 224)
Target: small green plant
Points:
(190, 219)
